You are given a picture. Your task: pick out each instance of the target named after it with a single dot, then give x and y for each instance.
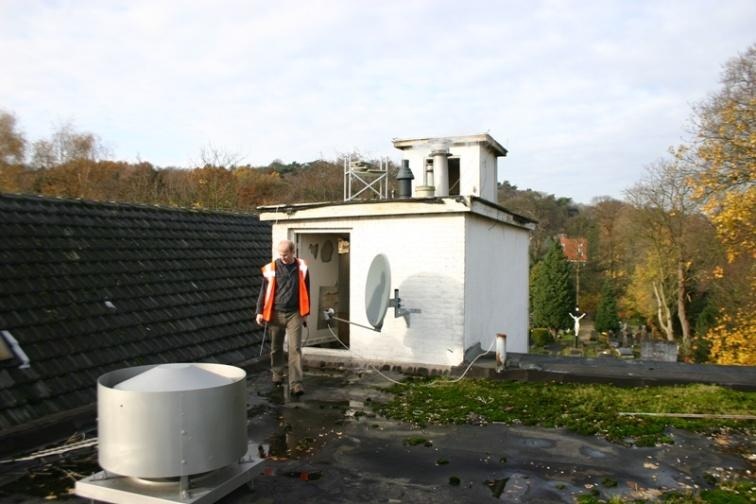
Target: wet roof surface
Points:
(329, 446)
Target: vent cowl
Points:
(171, 420)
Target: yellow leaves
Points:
(718, 272)
(726, 181)
(733, 339)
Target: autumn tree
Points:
(67, 145)
(611, 218)
(12, 152)
(650, 293)
(12, 141)
(725, 155)
(664, 210)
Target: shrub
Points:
(540, 336)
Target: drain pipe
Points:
(501, 352)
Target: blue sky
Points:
(583, 94)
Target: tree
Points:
(610, 216)
(664, 211)
(553, 214)
(66, 146)
(607, 318)
(648, 294)
(12, 142)
(725, 156)
(553, 295)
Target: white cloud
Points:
(583, 94)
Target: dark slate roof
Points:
(89, 287)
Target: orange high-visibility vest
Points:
(269, 272)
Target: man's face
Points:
(285, 253)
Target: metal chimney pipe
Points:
(405, 178)
(441, 170)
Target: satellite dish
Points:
(377, 290)
(377, 297)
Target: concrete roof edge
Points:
(481, 138)
(521, 220)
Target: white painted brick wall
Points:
(427, 266)
(467, 274)
(496, 297)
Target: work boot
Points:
(297, 389)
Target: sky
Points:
(584, 94)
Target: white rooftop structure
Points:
(455, 255)
(455, 165)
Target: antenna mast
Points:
(360, 176)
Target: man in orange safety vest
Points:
(283, 306)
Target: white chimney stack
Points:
(440, 155)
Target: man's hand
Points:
(259, 319)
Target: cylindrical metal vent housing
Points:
(405, 177)
(440, 157)
(171, 420)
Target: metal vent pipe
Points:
(440, 157)
(405, 177)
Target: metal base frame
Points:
(200, 489)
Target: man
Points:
(282, 306)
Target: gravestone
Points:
(659, 351)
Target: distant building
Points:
(575, 249)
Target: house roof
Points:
(90, 287)
(575, 249)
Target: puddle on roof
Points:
(302, 429)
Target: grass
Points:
(732, 492)
(582, 408)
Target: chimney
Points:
(440, 155)
(405, 177)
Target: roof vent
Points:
(170, 421)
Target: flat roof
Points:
(481, 138)
(394, 207)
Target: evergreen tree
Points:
(552, 293)
(606, 313)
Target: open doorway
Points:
(327, 256)
(453, 176)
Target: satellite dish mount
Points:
(377, 300)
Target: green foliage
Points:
(706, 320)
(607, 318)
(540, 336)
(582, 408)
(552, 292)
(726, 492)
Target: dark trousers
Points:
(286, 324)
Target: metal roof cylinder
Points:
(171, 420)
(405, 178)
(441, 170)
